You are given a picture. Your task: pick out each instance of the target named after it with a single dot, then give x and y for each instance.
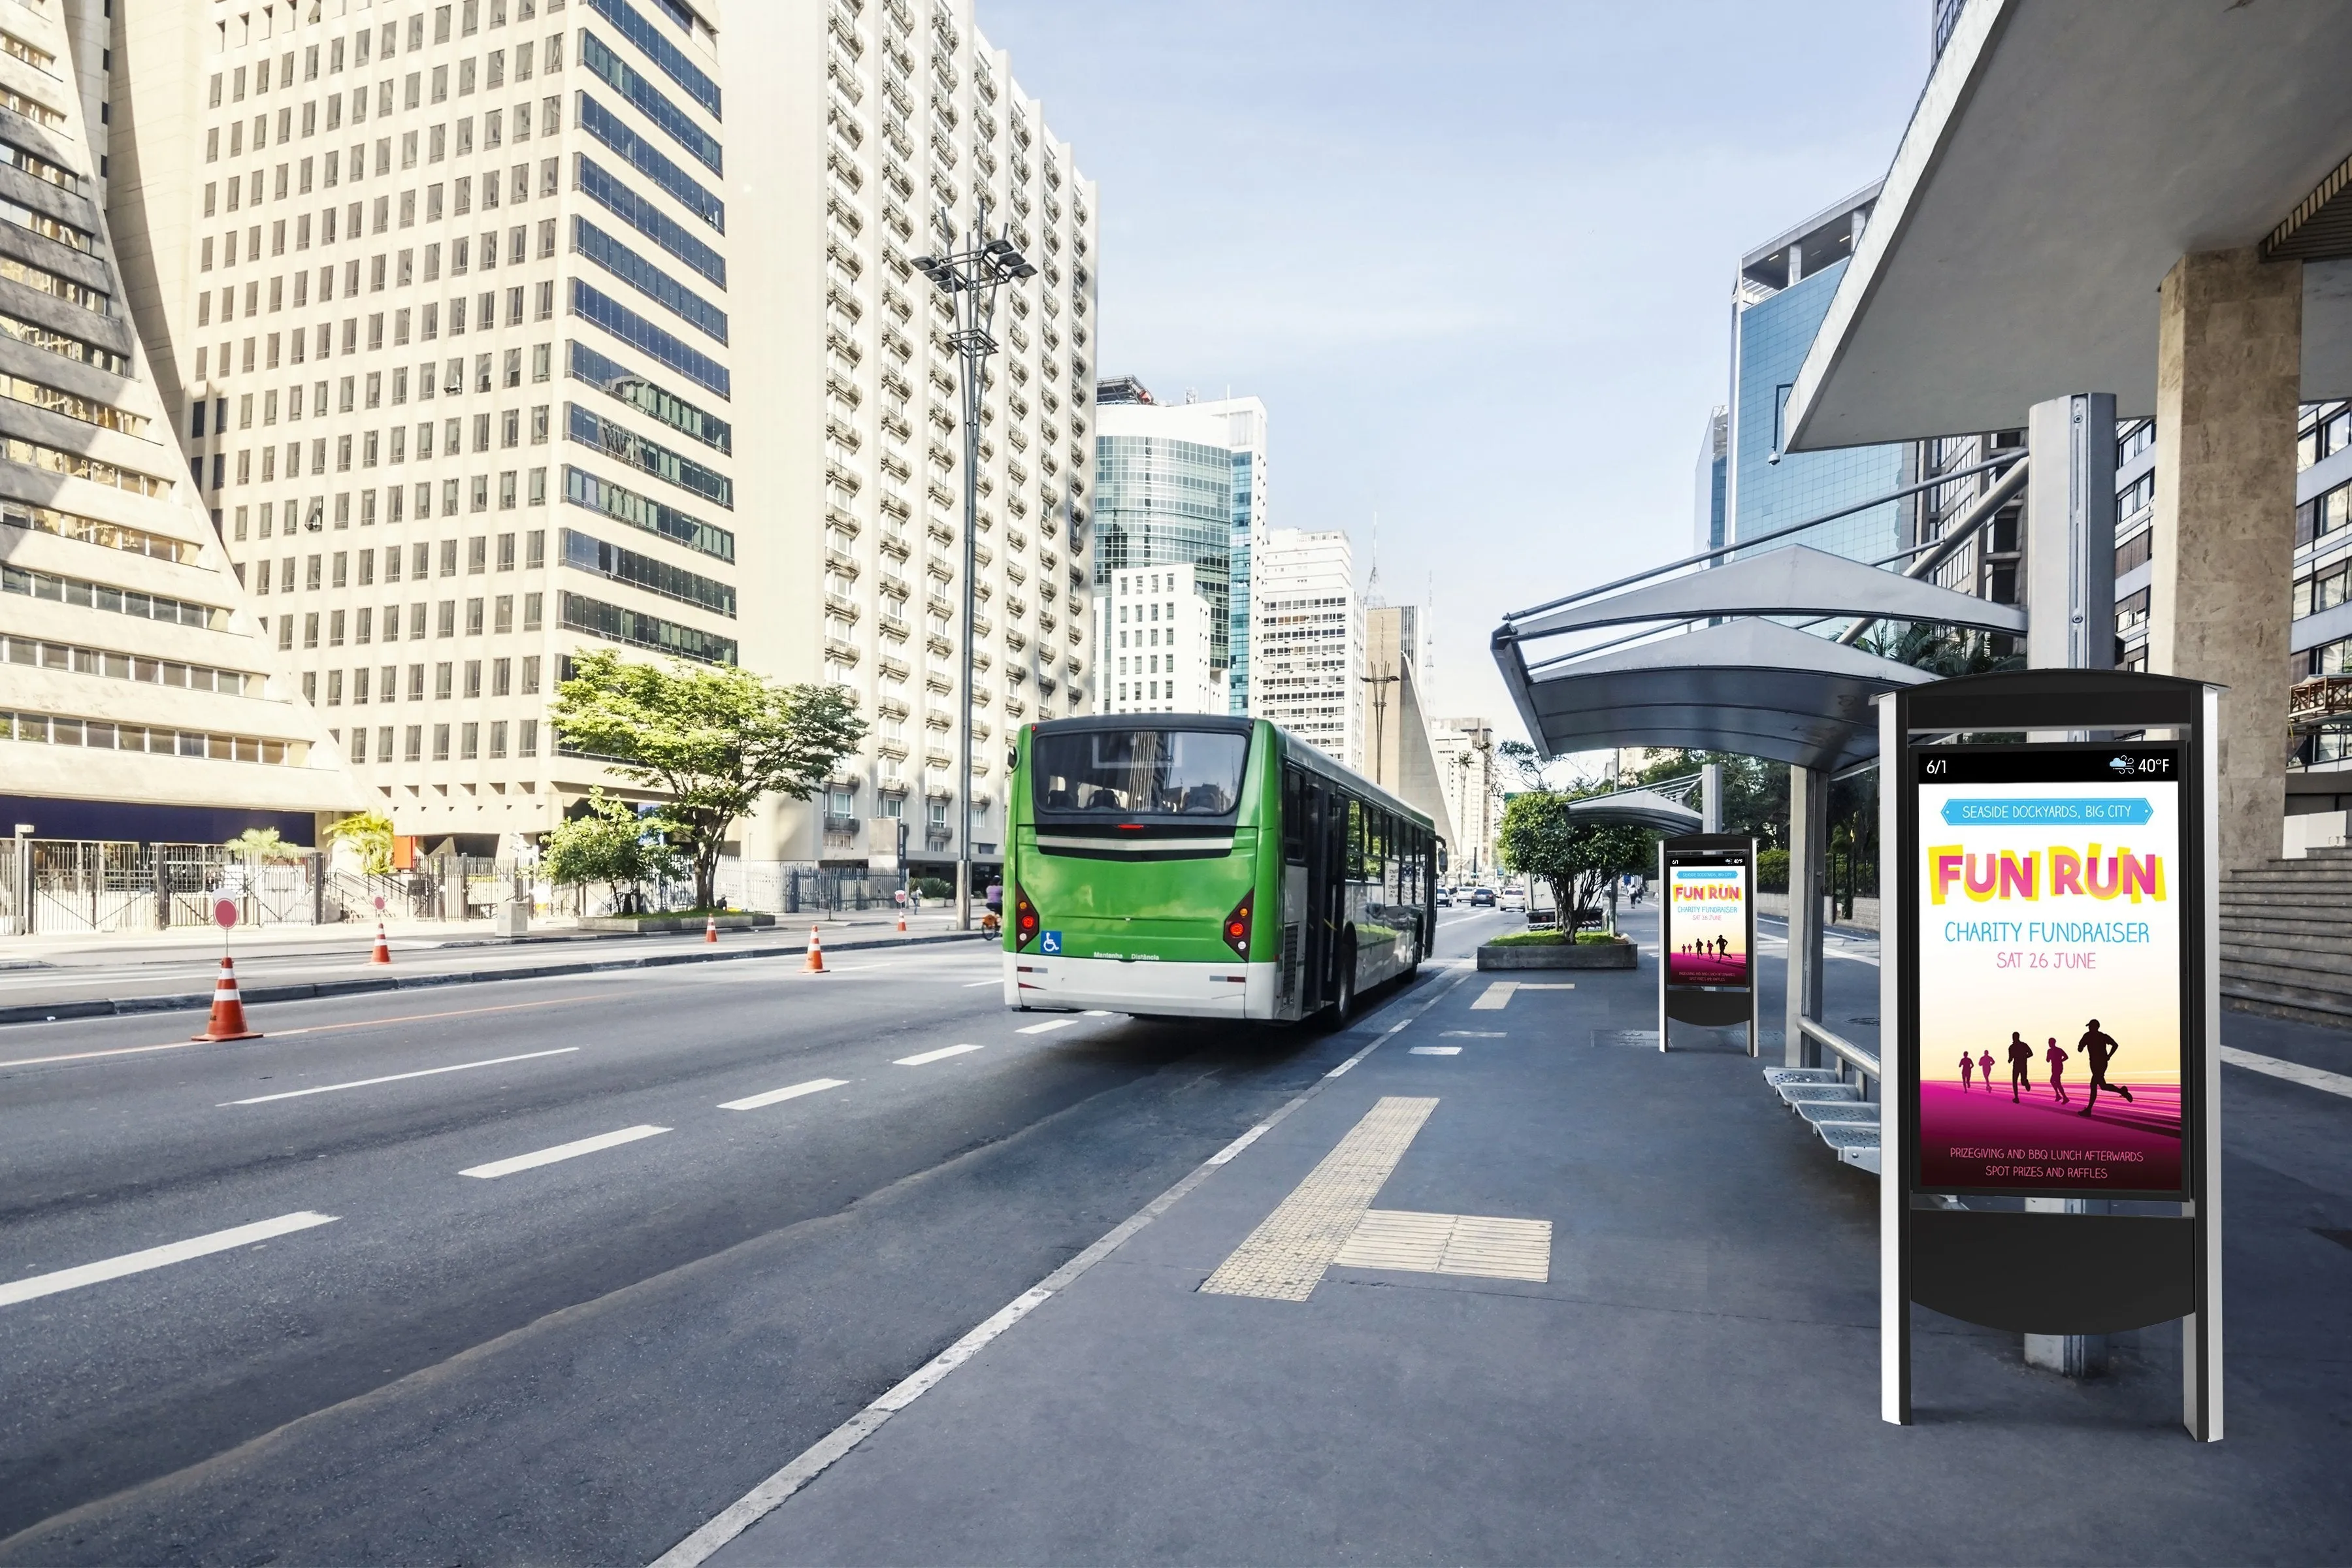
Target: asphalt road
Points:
(580, 1359)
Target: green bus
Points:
(1202, 867)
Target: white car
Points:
(1514, 899)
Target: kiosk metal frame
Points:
(2044, 1272)
(1709, 1006)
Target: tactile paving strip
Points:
(1285, 1256)
(1476, 1245)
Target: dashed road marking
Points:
(14, 1290)
(400, 1076)
(1048, 1026)
(562, 1152)
(1474, 1034)
(1434, 1051)
(1285, 1256)
(778, 1096)
(927, 1057)
(1498, 995)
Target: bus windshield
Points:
(1173, 772)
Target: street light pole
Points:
(971, 278)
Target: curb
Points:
(196, 1001)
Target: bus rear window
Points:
(1170, 773)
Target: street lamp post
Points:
(971, 278)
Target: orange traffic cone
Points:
(228, 1009)
(710, 928)
(815, 953)
(382, 953)
(902, 922)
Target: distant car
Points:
(1484, 898)
(1445, 898)
(1514, 899)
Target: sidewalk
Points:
(1691, 1374)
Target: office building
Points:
(1183, 484)
(141, 699)
(1161, 640)
(1708, 521)
(871, 138)
(1474, 793)
(1782, 291)
(441, 293)
(1308, 640)
(1400, 752)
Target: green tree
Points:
(609, 842)
(1755, 792)
(264, 844)
(713, 739)
(1539, 837)
(370, 835)
(1940, 650)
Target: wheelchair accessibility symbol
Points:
(1050, 943)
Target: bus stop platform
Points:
(1587, 1302)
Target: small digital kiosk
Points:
(1706, 933)
(2052, 1097)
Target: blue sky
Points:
(1476, 259)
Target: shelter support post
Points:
(1809, 833)
(2228, 376)
(2070, 533)
(1710, 787)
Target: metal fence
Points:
(77, 886)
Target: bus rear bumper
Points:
(1151, 989)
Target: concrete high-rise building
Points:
(1709, 520)
(443, 293)
(1183, 484)
(1400, 753)
(1473, 792)
(140, 697)
(1159, 640)
(1308, 640)
(870, 139)
(1780, 297)
(452, 301)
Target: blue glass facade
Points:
(1162, 502)
(1773, 337)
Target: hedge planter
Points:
(663, 925)
(1559, 955)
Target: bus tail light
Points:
(1024, 920)
(1237, 927)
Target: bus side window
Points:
(1357, 824)
(1293, 816)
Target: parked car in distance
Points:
(1481, 898)
(1445, 898)
(1514, 899)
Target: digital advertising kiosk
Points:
(1706, 933)
(2051, 1123)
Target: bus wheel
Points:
(1343, 1009)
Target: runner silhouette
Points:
(1968, 1066)
(2021, 1066)
(2100, 1048)
(1984, 1064)
(2056, 1057)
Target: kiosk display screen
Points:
(1706, 910)
(2050, 1052)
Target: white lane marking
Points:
(562, 1152)
(778, 1096)
(16, 1290)
(2293, 1072)
(398, 1077)
(763, 1500)
(928, 1057)
(1434, 1051)
(1472, 1034)
(994, 980)
(1047, 1027)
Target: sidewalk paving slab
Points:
(1697, 1378)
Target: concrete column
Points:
(2070, 533)
(1808, 837)
(2229, 378)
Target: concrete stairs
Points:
(2286, 939)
